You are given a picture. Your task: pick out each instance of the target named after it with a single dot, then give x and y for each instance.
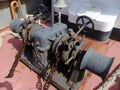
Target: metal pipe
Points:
(13, 6)
(52, 11)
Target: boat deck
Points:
(26, 79)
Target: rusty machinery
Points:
(56, 54)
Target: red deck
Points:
(26, 79)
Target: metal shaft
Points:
(52, 12)
(79, 31)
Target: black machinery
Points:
(56, 54)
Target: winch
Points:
(57, 55)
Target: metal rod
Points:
(69, 60)
(59, 16)
(52, 12)
(79, 31)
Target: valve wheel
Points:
(42, 9)
(86, 22)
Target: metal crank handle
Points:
(79, 31)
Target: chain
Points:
(53, 69)
(15, 63)
(110, 80)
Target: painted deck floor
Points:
(26, 79)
